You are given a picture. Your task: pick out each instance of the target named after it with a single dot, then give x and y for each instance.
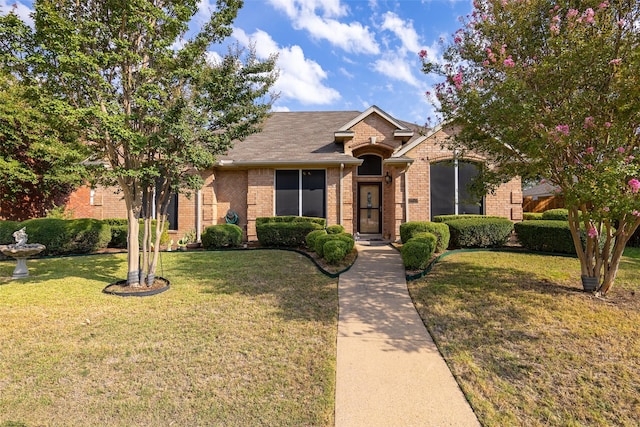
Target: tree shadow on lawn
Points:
(302, 293)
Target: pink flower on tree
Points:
(509, 62)
(621, 150)
(635, 213)
(606, 209)
(588, 16)
(588, 122)
(603, 5)
(563, 129)
(572, 13)
(607, 124)
(589, 150)
(634, 184)
(616, 61)
(422, 53)
(457, 80)
(593, 232)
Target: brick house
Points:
(365, 170)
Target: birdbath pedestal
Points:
(21, 251)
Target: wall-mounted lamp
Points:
(388, 178)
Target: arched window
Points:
(450, 181)
(371, 165)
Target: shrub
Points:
(556, 215)
(221, 235)
(268, 219)
(335, 251)
(425, 237)
(446, 218)
(7, 228)
(441, 230)
(531, 216)
(335, 229)
(549, 236)
(281, 233)
(120, 228)
(416, 253)
(310, 240)
(479, 232)
(61, 236)
(323, 239)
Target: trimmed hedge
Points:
(531, 216)
(417, 252)
(480, 232)
(310, 240)
(120, 228)
(335, 229)
(74, 236)
(441, 230)
(335, 251)
(323, 239)
(7, 228)
(446, 218)
(286, 231)
(550, 236)
(269, 219)
(221, 235)
(556, 215)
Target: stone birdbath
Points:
(21, 250)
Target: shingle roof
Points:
(294, 137)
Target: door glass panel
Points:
(369, 208)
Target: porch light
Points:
(388, 178)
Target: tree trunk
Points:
(133, 249)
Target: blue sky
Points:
(342, 54)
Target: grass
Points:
(241, 338)
(527, 346)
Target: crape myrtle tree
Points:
(551, 88)
(150, 104)
(40, 156)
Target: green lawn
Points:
(528, 347)
(241, 338)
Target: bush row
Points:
(60, 236)
(119, 230)
(286, 231)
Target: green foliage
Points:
(532, 216)
(120, 229)
(425, 237)
(310, 240)
(40, 155)
(288, 234)
(267, 219)
(335, 229)
(445, 218)
(416, 253)
(334, 251)
(409, 229)
(479, 232)
(75, 236)
(547, 236)
(323, 239)
(556, 215)
(7, 228)
(221, 235)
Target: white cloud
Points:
(346, 73)
(397, 69)
(280, 109)
(21, 10)
(300, 79)
(318, 17)
(403, 30)
(213, 58)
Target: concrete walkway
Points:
(389, 371)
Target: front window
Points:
(301, 192)
(450, 181)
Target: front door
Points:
(370, 208)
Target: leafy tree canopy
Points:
(551, 88)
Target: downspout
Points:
(199, 215)
(406, 194)
(340, 194)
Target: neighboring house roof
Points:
(294, 137)
(541, 190)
